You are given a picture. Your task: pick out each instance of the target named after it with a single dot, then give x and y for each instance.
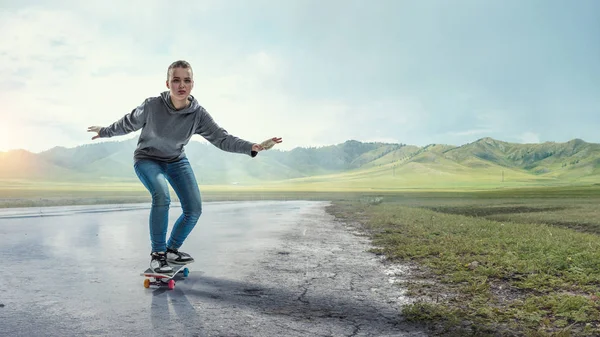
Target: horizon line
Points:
(307, 147)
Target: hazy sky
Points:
(313, 72)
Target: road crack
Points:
(301, 297)
(357, 328)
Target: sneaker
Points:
(159, 264)
(176, 257)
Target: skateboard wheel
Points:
(186, 272)
(171, 284)
(146, 283)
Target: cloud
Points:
(471, 132)
(51, 58)
(529, 138)
(64, 72)
(311, 76)
(69, 68)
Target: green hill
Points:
(485, 163)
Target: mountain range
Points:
(484, 161)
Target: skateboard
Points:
(162, 279)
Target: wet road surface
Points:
(262, 269)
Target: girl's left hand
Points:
(267, 144)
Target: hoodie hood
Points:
(166, 98)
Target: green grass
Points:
(42, 194)
(502, 264)
(26, 193)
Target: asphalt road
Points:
(262, 269)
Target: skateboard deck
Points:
(162, 279)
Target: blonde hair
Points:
(179, 64)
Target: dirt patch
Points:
(491, 210)
(336, 285)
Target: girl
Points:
(168, 121)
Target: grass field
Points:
(483, 261)
(508, 263)
(15, 193)
(52, 194)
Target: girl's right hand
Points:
(95, 129)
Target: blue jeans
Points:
(155, 175)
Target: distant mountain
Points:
(21, 164)
(351, 161)
(570, 159)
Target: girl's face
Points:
(180, 83)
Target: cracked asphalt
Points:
(264, 268)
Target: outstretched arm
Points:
(131, 122)
(220, 138)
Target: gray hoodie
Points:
(166, 130)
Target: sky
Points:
(315, 73)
